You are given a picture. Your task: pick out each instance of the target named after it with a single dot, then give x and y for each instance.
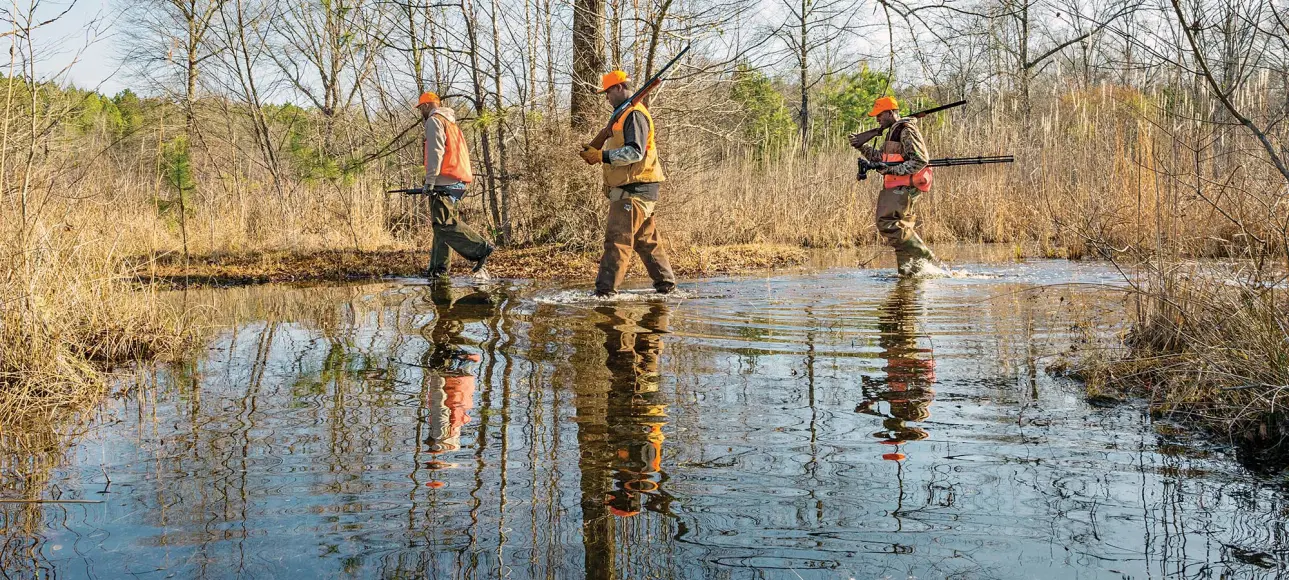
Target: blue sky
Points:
(79, 48)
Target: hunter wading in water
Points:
(900, 183)
(447, 171)
(632, 176)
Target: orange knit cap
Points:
(612, 79)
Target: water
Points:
(826, 424)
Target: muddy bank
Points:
(539, 263)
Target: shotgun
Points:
(640, 95)
(877, 131)
(456, 193)
(865, 165)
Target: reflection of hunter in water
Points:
(905, 394)
(450, 364)
(620, 431)
(636, 410)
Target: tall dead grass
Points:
(68, 315)
(1084, 175)
(1209, 348)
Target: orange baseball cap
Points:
(428, 97)
(884, 104)
(611, 79)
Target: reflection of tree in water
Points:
(620, 434)
(904, 395)
(29, 454)
(449, 369)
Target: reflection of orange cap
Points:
(612, 79)
(884, 104)
(893, 456)
(428, 97)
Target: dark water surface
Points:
(833, 424)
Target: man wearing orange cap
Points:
(632, 176)
(447, 171)
(895, 217)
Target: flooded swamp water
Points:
(829, 423)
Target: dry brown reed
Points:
(68, 316)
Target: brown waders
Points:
(631, 226)
(451, 232)
(895, 221)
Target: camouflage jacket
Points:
(914, 150)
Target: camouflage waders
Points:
(895, 217)
(895, 222)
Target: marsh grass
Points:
(1208, 347)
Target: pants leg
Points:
(619, 232)
(648, 245)
(451, 232)
(895, 222)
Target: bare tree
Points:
(811, 26)
(327, 49)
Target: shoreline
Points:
(543, 263)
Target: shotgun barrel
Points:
(920, 114)
(985, 160)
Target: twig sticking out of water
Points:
(2, 500)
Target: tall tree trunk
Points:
(418, 67)
(803, 65)
(588, 60)
(615, 36)
(501, 128)
(550, 58)
(480, 111)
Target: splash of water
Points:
(589, 297)
(927, 270)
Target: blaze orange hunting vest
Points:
(893, 152)
(647, 170)
(456, 153)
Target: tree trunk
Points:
(480, 111)
(588, 60)
(803, 63)
(501, 128)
